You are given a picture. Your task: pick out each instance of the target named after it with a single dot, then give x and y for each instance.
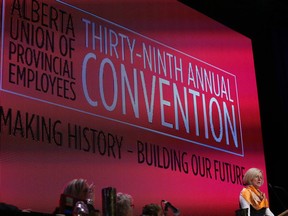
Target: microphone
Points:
(175, 210)
(277, 195)
(281, 188)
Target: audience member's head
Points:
(124, 204)
(79, 188)
(77, 195)
(152, 209)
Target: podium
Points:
(285, 213)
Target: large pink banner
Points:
(150, 97)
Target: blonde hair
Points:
(251, 174)
(75, 187)
(124, 204)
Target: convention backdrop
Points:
(150, 97)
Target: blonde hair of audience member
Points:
(152, 209)
(124, 204)
(80, 189)
(251, 197)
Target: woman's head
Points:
(253, 176)
(78, 188)
(124, 204)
